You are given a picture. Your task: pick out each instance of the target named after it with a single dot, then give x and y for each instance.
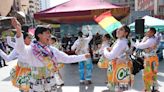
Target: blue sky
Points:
(56, 2)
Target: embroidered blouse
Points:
(58, 56)
(118, 49)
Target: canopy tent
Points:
(151, 22)
(75, 11)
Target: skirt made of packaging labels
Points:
(103, 62)
(41, 72)
(42, 80)
(59, 66)
(150, 69)
(47, 84)
(119, 73)
(20, 76)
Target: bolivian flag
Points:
(108, 22)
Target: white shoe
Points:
(59, 81)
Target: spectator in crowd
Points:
(65, 40)
(2, 61)
(81, 46)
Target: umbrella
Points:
(76, 11)
(5, 7)
(150, 22)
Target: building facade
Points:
(44, 4)
(130, 3)
(155, 6)
(34, 6)
(21, 5)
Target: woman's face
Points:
(104, 38)
(45, 37)
(121, 33)
(149, 33)
(28, 40)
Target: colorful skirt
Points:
(119, 75)
(42, 80)
(150, 72)
(59, 66)
(43, 85)
(20, 77)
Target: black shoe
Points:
(82, 82)
(88, 82)
(61, 84)
(5, 65)
(155, 91)
(106, 82)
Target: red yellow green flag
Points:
(108, 22)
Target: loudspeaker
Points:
(139, 26)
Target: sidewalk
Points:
(71, 79)
(5, 83)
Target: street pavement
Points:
(70, 76)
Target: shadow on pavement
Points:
(85, 88)
(6, 79)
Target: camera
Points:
(5, 23)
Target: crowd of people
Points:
(2, 47)
(41, 58)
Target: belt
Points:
(23, 65)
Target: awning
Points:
(151, 22)
(76, 11)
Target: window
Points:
(31, 6)
(31, 2)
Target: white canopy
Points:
(151, 22)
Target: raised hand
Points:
(88, 28)
(17, 26)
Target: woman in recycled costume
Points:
(119, 68)
(42, 58)
(103, 62)
(148, 45)
(21, 72)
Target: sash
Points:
(45, 55)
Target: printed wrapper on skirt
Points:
(103, 62)
(42, 80)
(150, 71)
(20, 77)
(119, 73)
(59, 66)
